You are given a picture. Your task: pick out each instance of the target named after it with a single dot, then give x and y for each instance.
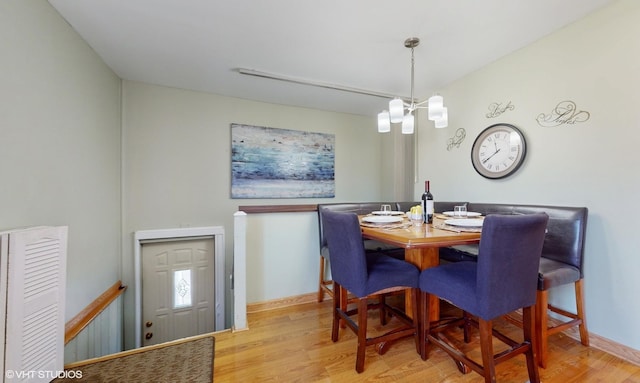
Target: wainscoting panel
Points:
(103, 336)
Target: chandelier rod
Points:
(319, 84)
(412, 79)
(413, 42)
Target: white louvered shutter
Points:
(35, 302)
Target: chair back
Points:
(508, 261)
(566, 236)
(357, 208)
(348, 259)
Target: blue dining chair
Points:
(368, 277)
(503, 280)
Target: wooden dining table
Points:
(421, 244)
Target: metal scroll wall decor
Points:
(497, 108)
(456, 140)
(564, 113)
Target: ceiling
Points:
(200, 44)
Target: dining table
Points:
(421, 243)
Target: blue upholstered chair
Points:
(366, 276)
(562, 263)
(325, 285)
(503, 280)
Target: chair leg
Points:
(541, 326)
(584, 334)
(344, 302)
(542, 329)
(528, 323)
(424, 324)
(467, 326)
(321, 281)
(382, 310)
(486, 347)
(336, 317)
(416, 318)
(325, 286)
(362, 334)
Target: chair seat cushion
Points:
(456, 283)
(553, 273)
(453, 282)
(385, 272)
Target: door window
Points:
(181, 288)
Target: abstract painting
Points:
(281, 163)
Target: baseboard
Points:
(609, 346)
(282, 302)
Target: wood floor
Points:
(294, 345)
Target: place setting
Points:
(384, 218)
(461, 220)
(385, 210)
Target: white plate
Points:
(469, 214)
(393, 212)
(464, 222)
(381, 219)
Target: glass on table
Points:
(460, 211)
(385, 209)
(416, 219)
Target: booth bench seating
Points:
(561, 262)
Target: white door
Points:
(177, 289)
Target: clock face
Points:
(498, 151)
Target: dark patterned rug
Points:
(184, 360)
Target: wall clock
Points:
(498, 151)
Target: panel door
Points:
(178, 296)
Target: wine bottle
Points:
(427, 204)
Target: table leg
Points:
(424, 258)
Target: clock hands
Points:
(488, 158)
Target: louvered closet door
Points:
(35, 301)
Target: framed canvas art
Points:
(281, 163)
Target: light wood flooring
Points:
(294, 344)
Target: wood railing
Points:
(255, 209)
(73, 327)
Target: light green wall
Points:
(595, 63)
(60, 136)
(60, 143)
(177, 172)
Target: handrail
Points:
(254, 209)
(73, 327)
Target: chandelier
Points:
(397, 107)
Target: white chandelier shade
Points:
(436, 106)
(397, 107)
(384, 123)
(396, 110)
(407, 123)
(443, 121)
